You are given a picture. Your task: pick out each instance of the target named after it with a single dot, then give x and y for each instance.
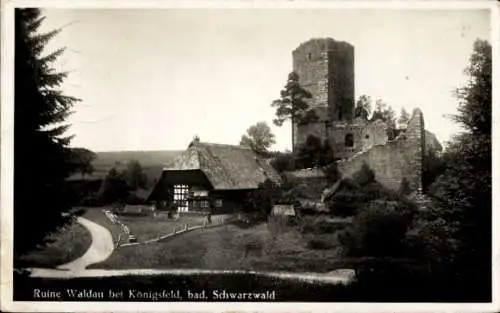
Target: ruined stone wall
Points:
(374, 134)
(306, 173)
(315, 129)
(337, 138)
(395, 161)
(415, 138)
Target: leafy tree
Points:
(464, 189)
(134, 175)
(475, 97)
(384, 113)
(258, 137)
(292, 105)
(114, 188)
(283, 162)
(404, 118)
(40, 112)
(434, 165)
(363, 107)
(81, 160)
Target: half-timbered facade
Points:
(212, 178)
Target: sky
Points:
(152, 79)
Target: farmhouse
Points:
(210, 177)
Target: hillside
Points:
(151, 161)
(106, 160)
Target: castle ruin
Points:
(326, 69)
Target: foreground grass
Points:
(143, 227)
(150, 227)
(232, 247)
(64, 246)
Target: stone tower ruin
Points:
(326, 69)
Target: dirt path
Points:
(100, 249)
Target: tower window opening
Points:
(309, 56)
(367, 136)
(349, 140)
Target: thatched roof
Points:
(227, 167)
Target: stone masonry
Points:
(326, 69)
(395, 161)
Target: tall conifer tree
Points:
(41, 153)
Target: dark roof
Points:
(227, 167)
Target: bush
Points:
(332, 173)
(351, 197)
(317, 244)
(345, 208)
(319, 225)
(404, 188)
(267, 195)
(134, 199)
(378, 231)
(283, 162)
(364, 176)
(374, 190)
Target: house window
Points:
(204, 204)
(200, 193)
(218, 203)
(181, 193)
(349, 140)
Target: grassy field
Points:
(232, 247)
(65, 246)
(143, 227)
(149, 227)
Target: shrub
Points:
(319, 225)
(378, 231)
(317, 244)
(346, 201)
(374, 190)
(351, 197)
(283, 162)
(332, 173)
(344, 208)
(268, 194)
(364, 176)
(134, 199)
(404, 188)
